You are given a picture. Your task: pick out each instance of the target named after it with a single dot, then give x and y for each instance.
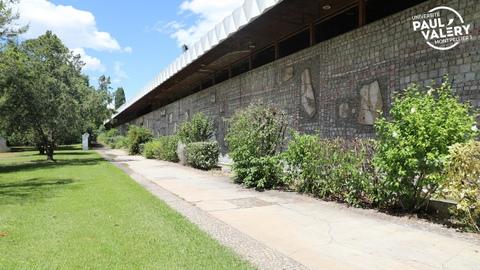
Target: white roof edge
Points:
(243, 15)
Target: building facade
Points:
(336, 85)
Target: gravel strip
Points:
(250, 249)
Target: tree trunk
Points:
(49, 151)
(41, 149)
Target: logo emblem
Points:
(443, 28)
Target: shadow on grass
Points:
(31, 190)
(17, 149)
(71, 153)
(57, 149)
(44, 164)
(68, 148)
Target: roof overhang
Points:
(255, 25)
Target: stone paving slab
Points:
(293, 231)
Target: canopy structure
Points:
(253, 27)
(240, 17)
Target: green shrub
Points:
(113, 139)
(108, 137)
(202, 155)
(168, 148)
(137, 136)
(198, 129)
(254, 139)
(463, 183)
(329, 169)
(19, 139)
(163, 148)
(413, 144)
(121, 142)
(150, 148)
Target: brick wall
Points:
(386, 53)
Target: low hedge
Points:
(163, 148)
(113, 139)
(202, 155)
(150, 148)
(330, 169)
(463, 183)
(109, 137)
(120, 142)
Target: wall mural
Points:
(307, 94)
(370, 103)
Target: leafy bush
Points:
(163, 148)
(121, 142)
(463, 182)
(136, 137)
(168, 148)
(254, 139)
(108, 137)
(150, 148)
(202, 155)
(413, 144)
(198, 129)
(331, 169)
(113, 139)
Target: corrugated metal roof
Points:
(249, 11)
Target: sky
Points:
(130, 41)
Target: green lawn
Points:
(84, 213)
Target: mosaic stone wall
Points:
(336, 87)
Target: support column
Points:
(361, 13)
(313, 38)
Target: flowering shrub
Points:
(331, 169)
(413, 144)
(463, 182)
(254, 139)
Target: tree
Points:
(8, 29)
(44, 95)
(104, 83)
(119, 97)
(96, 107)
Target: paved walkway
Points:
(280, 230)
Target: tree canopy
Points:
(119, 97)
(44, 96)
(8, 28)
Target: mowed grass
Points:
(84, 213)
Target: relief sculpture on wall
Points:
(307, 94)
(370, 103)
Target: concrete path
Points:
(295, 231)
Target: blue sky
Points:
(130, 41)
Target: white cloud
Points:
(209, 14)
(166, 28)
(91, 63)
(118, 73)
(77, 28)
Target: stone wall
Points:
(336, 87)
